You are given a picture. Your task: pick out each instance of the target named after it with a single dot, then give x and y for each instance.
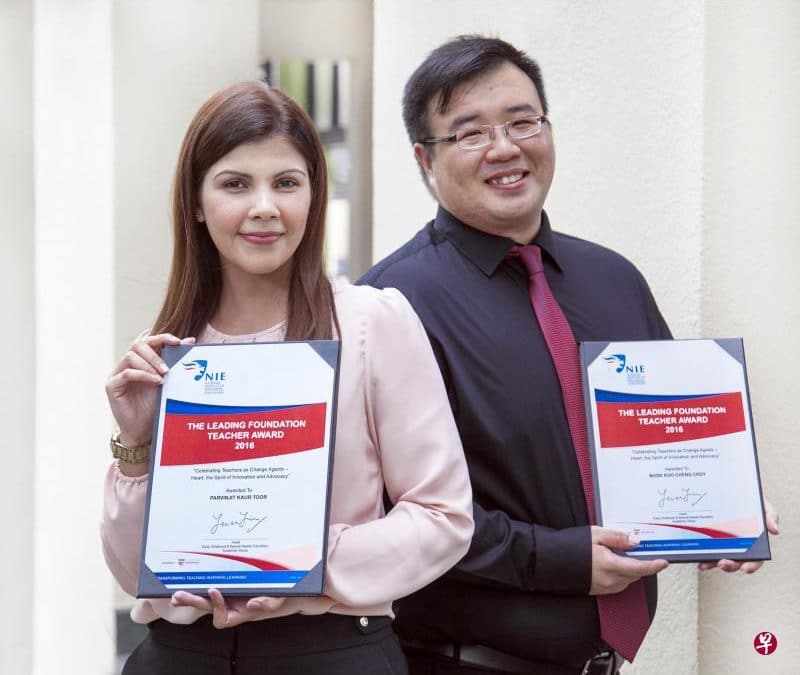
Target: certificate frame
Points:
(669, 482)
(248, 389)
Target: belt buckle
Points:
(607, 660)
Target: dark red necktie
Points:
(623, 616)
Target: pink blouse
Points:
(394, 429)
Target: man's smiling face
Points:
(499, 188)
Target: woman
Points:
(249, 209)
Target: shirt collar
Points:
(486, 250)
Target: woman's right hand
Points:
(131, 387)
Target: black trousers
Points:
(422, 662)
(328, 644)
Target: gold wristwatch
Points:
(135, 455)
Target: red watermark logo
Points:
(765, 643)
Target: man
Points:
(525, 597)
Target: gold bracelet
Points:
(135, 455)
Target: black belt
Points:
(607, 663)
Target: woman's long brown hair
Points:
(243, 113)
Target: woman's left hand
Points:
(228, 612)
(772, 518)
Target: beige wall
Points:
(17, 334)
(676, 145)
(750, 280)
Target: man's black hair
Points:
(452, 64)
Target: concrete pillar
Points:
(73, 258)
(750, 285)
(18, 332)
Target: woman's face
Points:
(254, 202)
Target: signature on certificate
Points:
(246, 522)
(683, 496)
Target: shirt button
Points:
(363, 621)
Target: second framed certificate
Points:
(673, 452)
(239, 486)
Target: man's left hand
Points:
(772, 518)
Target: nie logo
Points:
(198, 367)
(620, 364)
(765, 643)
(616, 360)
(213, 380)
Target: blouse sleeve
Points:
(122, 524)
(424, 471)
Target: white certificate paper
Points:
(239, 483)
(673, 453)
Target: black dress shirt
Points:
(523, 586)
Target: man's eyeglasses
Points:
(477, 137)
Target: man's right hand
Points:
(612, 573)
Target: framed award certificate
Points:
(673, 452)
(240, 472)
